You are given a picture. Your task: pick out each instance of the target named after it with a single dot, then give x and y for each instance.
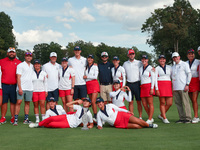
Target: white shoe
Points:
(149, 121)
(152, 120)
(165, 120)
(140, 118)
(155, 125)
(160, 117)
(195, 120)
(33, 125)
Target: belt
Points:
(105, 83)
(132, 82)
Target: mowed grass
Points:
(167, 136)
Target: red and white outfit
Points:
(118, 98)
(65, 81)
(147, 77)
(194, 83)
(92, 84)
(59, 111)
(39, 81)
(114, 116)
(0, 82)
(119, 72)
(163, 80)
(66, 120)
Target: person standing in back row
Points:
(132, 67)
(51, 68)
(105, 77)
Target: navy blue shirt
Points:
(105, 75)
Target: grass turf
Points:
(167, 136)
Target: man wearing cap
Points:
(132, 67)
(24, 87)
(181, 76)
(51, 68)
(78, 63)
(105, 77)
(9, 83)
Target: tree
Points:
(169, 28)
(7, 38)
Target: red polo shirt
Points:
(8, 69)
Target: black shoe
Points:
(187, 121)
(180, 121)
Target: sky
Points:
(113, 22)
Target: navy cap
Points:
(190, 51)
(162, 56)
(87, 99)
(51, 99)
(64, 59)
(116, 81)
(115, 58)
(91, 56)
(99, 99)
(77, 48)
(36, 61)
(145, 56)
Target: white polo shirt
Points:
(50, 113)
(194, 68)
(26, 72)
(119, 72)
(132, 70)
(119, 96)
(91, 72)
(109, 114)
(162, 74)
(39, 81)
(79, 69)
(147, 76)
(52, 72)
(75, 120)
(65, 78)
(0, 77)
(181, 75)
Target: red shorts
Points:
(121, 83)
(194, 85)
(165, 88)
(37, 96)
(63, 93)
(92, 86)
(0, 92)
(122, 120)
(123, 107)
(145, 90)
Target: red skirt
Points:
(194, 85)
(92, 86)
(63, 93)
(121, 83)
(145, 90)
(123, 107)
(37, 96)
(0, 92)
(122, 120)
(165, 88)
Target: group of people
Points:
(77, 77)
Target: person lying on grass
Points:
(118, 117)
(68, 120)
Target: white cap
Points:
(53, 54)
(104, 54)
(175, 54)
(198, 48)
(11, 49)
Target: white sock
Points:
(37, 117)
(43, 115)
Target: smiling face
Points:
(162, 61)
(11, 55)
(190, 56)
(86, 103)
(176, 59)
(52, 104)
(64, 64)
(37, 66)
(116, 62)
(100, 105)
(28, 58)
(53, 59)
(144, 61)
(77, 53)
(90, 60)
(116, 86)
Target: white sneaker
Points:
(160, 117)
(152, 120)
(33, 125)
(165, 120)
(155, 126)
(140, 118)
(195, 120)
(149, 121)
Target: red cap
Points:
(131, 51)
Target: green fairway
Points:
(167, 136)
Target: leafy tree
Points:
(7, 38)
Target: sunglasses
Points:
(28, 53)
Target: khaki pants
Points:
(105, 91)
(182, 102)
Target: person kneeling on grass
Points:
(118, 117)
(68, 120)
